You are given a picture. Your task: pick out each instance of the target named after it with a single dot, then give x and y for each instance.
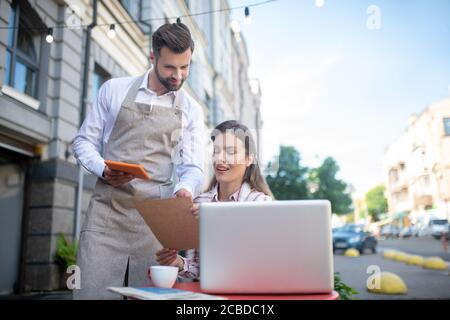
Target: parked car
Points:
(335, 229)
(438, 226)
(422, 231)
(354, 236)
(407, 232)
(390, 231)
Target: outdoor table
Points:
(195, 287)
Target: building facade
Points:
(246, 91)
(417, 167)
(40, 109)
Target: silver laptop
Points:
(274, 247)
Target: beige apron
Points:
(115, 242)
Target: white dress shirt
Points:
(99, 122)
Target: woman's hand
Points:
(195, 210)
(169, 257)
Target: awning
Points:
(16, 145)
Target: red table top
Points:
(195, 286)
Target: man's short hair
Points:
(175, 36)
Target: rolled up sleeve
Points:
(87, 145)
(190, 168)
(191, 268)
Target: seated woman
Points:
(237, 177)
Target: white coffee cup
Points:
(163, 276)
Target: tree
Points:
(289, 182)
(324, 185)
(376, 202)
(292, 181)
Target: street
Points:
(422, 283)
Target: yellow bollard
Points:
(435, 263)
(415, 260)
(401, 256)
(389, 283)
(389, 254)
(352, 253)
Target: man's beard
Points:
(166, 82)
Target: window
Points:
(218, 114)
(424, 184)
(191, 79)
(139, 11)
(209, 104)
(100, 76)
(24, 49)
(447, 126)
(132, 7)
(393, 175)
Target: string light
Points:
(320, 3)
(235, 27)
(112, 31)
(63, 26)
(49, 37)
(247, 18)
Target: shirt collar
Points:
(244, 192)
(143, 85)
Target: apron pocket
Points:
(99, 208)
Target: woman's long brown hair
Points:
(252, 174)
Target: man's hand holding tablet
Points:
(118, 173)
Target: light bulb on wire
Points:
(235, 27)
(247, 18)
(112, 31)
(49, 37)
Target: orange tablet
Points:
(136, 170)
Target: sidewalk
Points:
(50, 295)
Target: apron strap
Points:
(179, 97)
(132, 92)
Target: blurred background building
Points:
(417, 168)
(42, 86)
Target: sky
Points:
(333, 84)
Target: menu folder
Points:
(171, 221)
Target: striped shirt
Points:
(191, 269)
